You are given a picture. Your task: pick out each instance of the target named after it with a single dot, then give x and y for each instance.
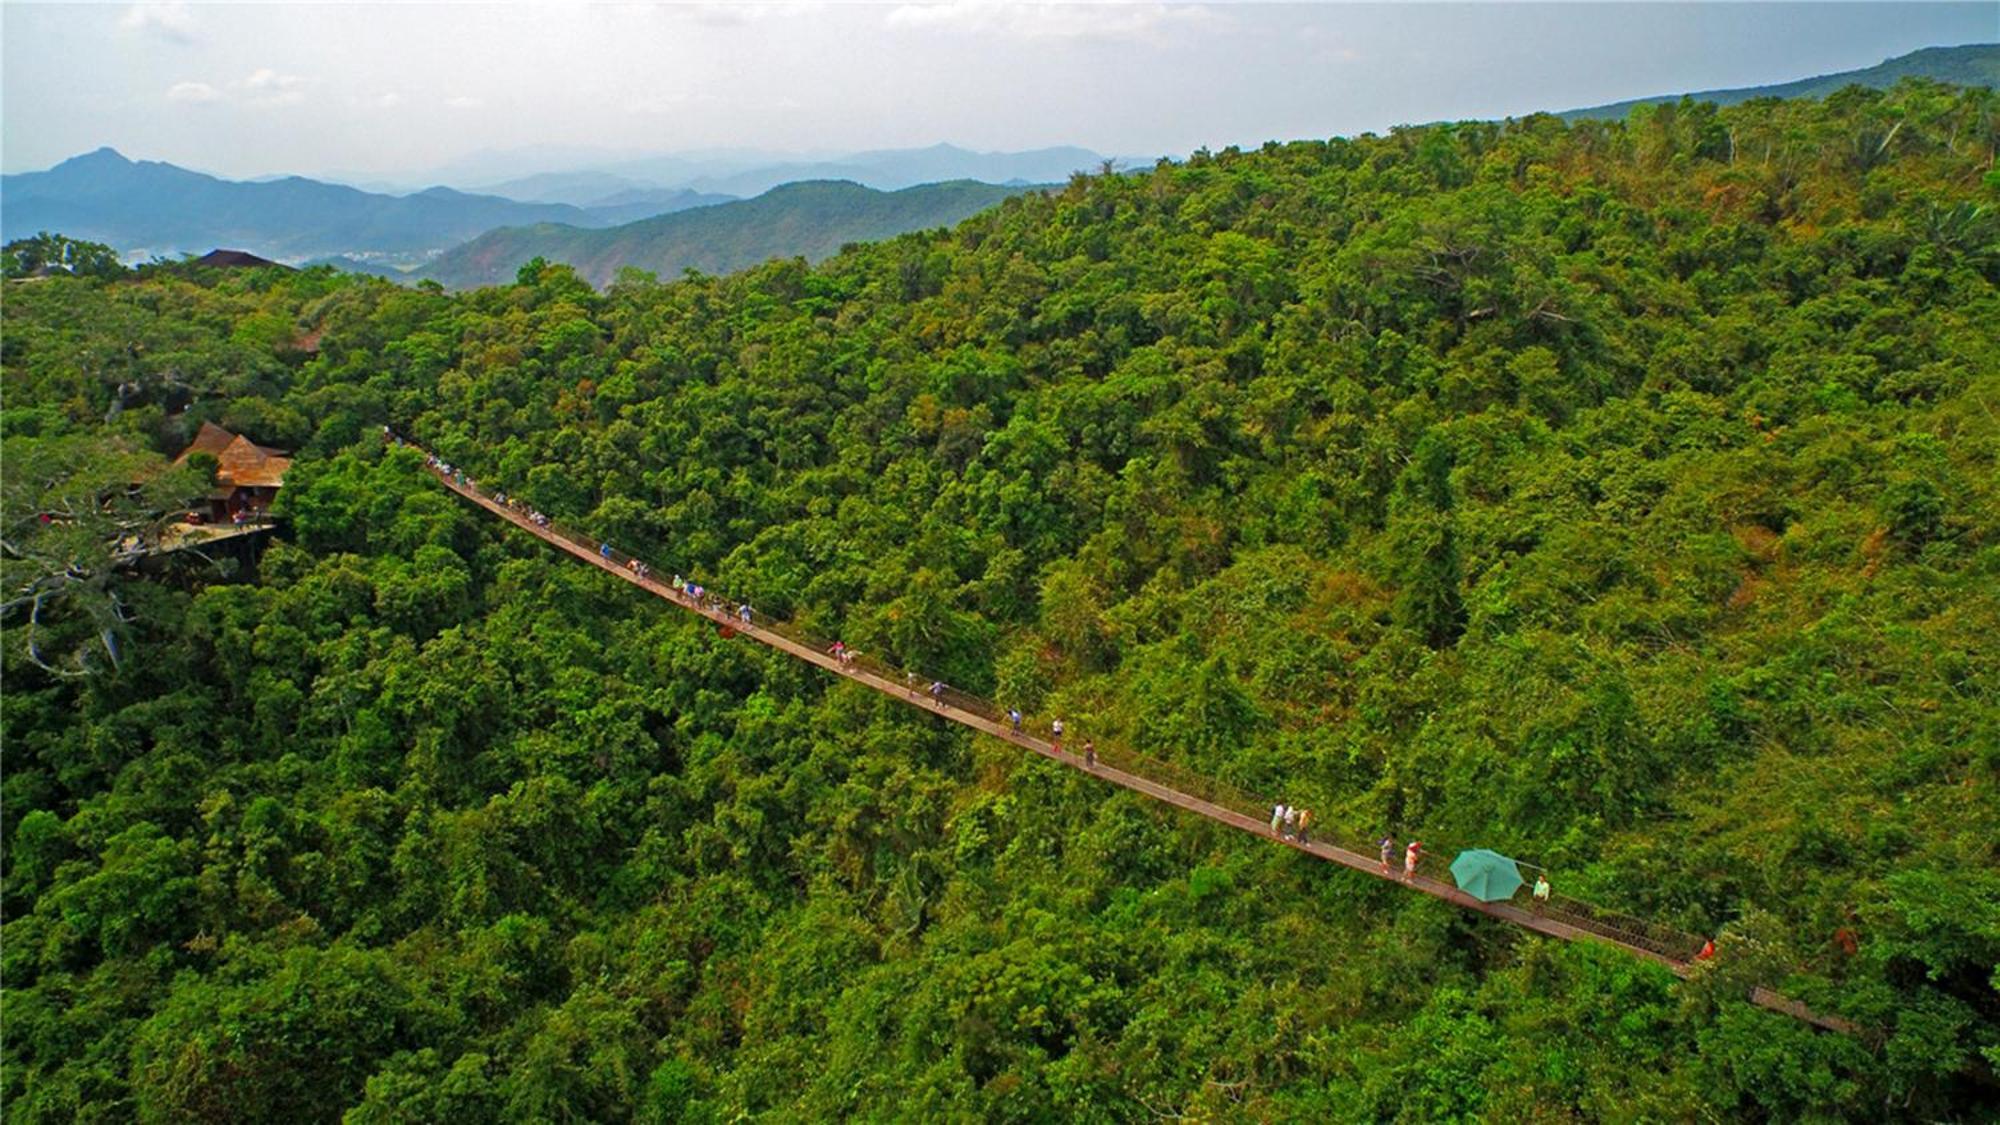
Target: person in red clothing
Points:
(1411, 855)
(1707, 950)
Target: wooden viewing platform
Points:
(1568, 920)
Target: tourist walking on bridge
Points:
(1014, 716)
(1277, 817)
(1055, 735)
(937, 693)
(1388, 846)
(1411, 855)
(1089, 754)
(743, 612)
(1541, 890)
(1305, 826)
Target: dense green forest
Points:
(1622, 496)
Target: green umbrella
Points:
(1486, 875)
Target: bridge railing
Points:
(1622, 928)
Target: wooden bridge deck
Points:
(1539, 921)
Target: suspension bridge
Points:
(1560, 917)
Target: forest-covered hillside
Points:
(1969, 64)
(810, 220)
(1621, 496)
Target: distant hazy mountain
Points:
(356, 265)
(1974, 65)
(575, 188)
(812, 220)
(150, 207)
(630, 207)
(497, 166)
(892, 169)
(747, 172)
(610, 199)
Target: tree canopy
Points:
(1621, 496)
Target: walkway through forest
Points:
(1562, 917)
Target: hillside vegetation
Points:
(1972, 64)
(1621, 496)
(809, 220)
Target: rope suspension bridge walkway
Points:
(1560, 917)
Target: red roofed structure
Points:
(247, 475)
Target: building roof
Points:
(240, 462)
(211, 438)
(227, 258)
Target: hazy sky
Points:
(396, 90)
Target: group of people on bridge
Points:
(444, 468)
(1014, 720)
(1412, 855)
(1288, 823)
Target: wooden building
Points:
(247, 475)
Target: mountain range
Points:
(1976, 64)
(149, 207)
(894, 169)
(744, 173)
(813, 219)
(146, 208)
(600, 210)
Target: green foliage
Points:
(1619, 496)
(47, 253)
(73, 507)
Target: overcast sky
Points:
(396, 91)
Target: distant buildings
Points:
(247, 475)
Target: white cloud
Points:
(262, 87)
(390, 100)
(740, 13)
(170, 21)
(267, 87)
(192, 92)
(670, 103)
(1046, 21)
(463, 102)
